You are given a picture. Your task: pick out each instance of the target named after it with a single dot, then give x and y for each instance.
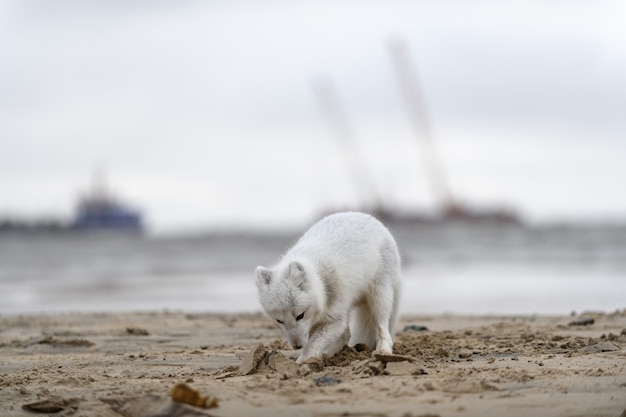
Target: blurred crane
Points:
(367, 191)
(420, 120)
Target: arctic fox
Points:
(339, 284)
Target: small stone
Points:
(415, 328)
(326, 380)
(582, 322)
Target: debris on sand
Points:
(152, 405)
(280, 363)
(583, 322)
(49, 406)
(53, 341)
(390, 357)
(259, 358)
(252, 359)
(137, 331)
(603, 347)
(183, 393)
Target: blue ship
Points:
(100, 211)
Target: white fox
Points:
(340, 283)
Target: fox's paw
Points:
(314, 364)
(384, 347)
(382, 352)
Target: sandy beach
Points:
(127, 364)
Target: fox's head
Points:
(288, 298)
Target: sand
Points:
(126, 364)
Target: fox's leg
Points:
(397, 288)
(381, 308)
(383, 298)
(362, 326)
(327, 339)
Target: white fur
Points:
(343, 277)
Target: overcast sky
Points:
(202, 113)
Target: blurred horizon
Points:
(455, 268)
(203, 115)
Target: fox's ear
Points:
(297, 274)
(263, 275)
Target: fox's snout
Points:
(296, 342)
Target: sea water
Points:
(459, 268)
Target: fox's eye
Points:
(279, 321)
(300, 317)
